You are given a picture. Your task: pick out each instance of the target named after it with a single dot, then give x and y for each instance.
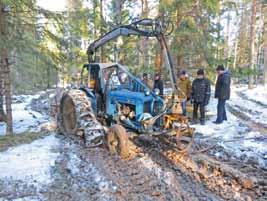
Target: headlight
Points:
(147, 93)
(156, 91)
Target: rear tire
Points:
(76, 117)
(118, 141)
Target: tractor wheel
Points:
(76, 117)
(118, 141)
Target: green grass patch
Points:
(8, 141)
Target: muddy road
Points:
(156, 173)
(94, 174)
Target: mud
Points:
(228, 178)
(94, 173)
(157, 173)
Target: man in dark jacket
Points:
(158, 84)
(222, 92)
(200, 95)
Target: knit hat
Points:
(220, 67)
(200, 72)
(157, 74)
(183, 72)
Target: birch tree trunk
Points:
(2, 113)
(144, 41)
(265, 43)
(252, 41)
(7, 90)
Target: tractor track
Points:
(148, 176)
(246, 114)
(239, 112)
(228, 179)
(157, 173)
(244, 96)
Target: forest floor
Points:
(50, 166)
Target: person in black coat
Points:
(222, 92)
(200, 95)
(158, 84)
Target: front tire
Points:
(118, 141)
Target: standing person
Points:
(200, 96)
(148, 82)
(222, 92)
(184, 91)
(158, 84)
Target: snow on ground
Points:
(258, 94)
(96, 177)
(234, 129)
(253, 110)
(30, 163)
(24, 118)
(166, 176)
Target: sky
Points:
(53, 5)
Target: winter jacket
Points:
(201, 91)
(158, 84)
(222, 87)
(185, 88)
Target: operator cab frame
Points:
(118, 77)
(114, 87)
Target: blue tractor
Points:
(112, 105)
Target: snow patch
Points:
(254, 111)
(258, 94)
(24, 118)
(235, 129)
(102, 184)
(30, 163)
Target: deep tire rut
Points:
(94, 174)
(230, 180)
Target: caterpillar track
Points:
(76, 117)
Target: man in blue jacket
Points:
(222, 92)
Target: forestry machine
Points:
(112, 106)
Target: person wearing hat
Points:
(158, 83)
(222, 92)
(184, 92)
(200, 96)
(148, 82)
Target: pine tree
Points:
(5, 69)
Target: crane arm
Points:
(125, 30)
(145, 28)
